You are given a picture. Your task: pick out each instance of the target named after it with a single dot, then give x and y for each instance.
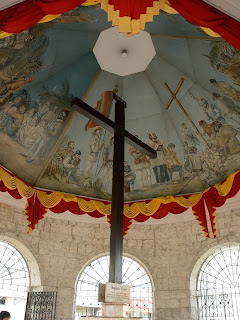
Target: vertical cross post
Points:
(116, 238)
(120, 135)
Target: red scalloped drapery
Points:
(24, 15)
(213, 200)
(14, 193)
(204, 15)
(39, 201)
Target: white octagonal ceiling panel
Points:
(122, 55)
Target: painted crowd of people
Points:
(31, 127)
(99, 162)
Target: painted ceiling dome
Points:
(184, 103)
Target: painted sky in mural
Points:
(196, 137)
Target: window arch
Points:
(97, 271)
(218, 285)
(18, 270)
(14, 274)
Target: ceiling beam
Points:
(231, 8)
(4, 4)
(207, 38)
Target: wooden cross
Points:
(120, 136)
(174, 97)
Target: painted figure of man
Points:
(141, 165)
(43, 110)
(186, 157)
(13, 119)
(161, 168)
(196, 161)
(159, 163)
(212, 111)
(29, 135)
(17, 118)
(173, 164)
(226, 59)
(233, 71)
(129, 177)
(227, 137)
(107, 165)
(227, 88)
(51, 114)
(43, 135)
(70, 148)
(230, 109)
(71, 165)
(208, 130)
(189, 135)
(14, 85)
(26, 126)
(5, 119)
(198, 166)
(95, 144)
(154, 141)
(66, 154)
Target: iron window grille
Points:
(218, 285)
(41, 306)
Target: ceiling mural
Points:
(196, 135)
(37, 86)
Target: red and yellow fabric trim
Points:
(133, 19)
(24, 15)
(130, 16)
(47, 18)
(39, 201)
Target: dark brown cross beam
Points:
(120, 136)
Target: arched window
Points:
(14, 280)
(218, 285)
(97, 271)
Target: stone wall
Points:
(169, 252)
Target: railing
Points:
(41, 306)
(222, 306)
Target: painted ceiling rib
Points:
(55, 67)
(71, 63)
(181, 73)
(192, 64)
(147, 76)
(172, 36)
(166, 50)
(52, 74)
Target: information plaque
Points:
(118, 293)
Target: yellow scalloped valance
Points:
(39, 201)
(50, 199)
